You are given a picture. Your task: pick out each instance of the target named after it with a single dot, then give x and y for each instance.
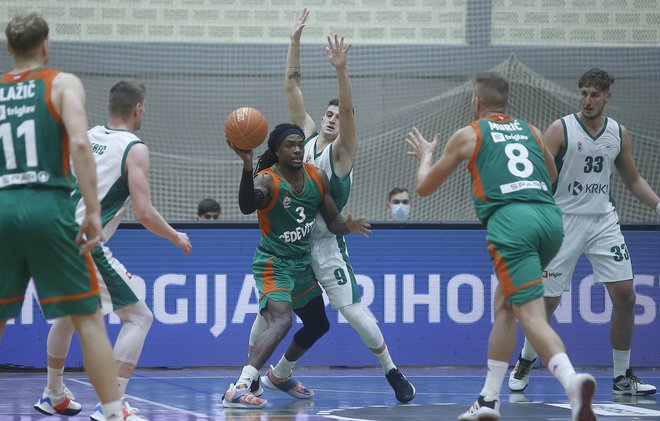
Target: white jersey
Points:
(110, 149)
(340, 188)
(586, 166)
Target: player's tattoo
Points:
(294, 75)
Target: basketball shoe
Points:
(64, 404)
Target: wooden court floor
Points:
(341, 394)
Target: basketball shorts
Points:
(114, 280)
(522, 239)
(287, 279)
(598, 237)
(37, 238)
(333, 270)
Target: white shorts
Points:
(599, 238)
(333, 270)
(114, 281)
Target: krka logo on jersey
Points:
(575, 188)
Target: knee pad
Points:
(364, 324)
(136, 321)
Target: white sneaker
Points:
(519, 377)
(64, 404)
(482, 410)
(631, 385)
(581, 390)
(129, 413)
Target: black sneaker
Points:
(403, 390)
(631, 385)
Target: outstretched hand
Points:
(182, 241)
(336, 51)
(421, 148)
(299, 21)
(358, 226)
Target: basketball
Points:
(246, 128)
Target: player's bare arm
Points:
(431, 175)
(345, 146)
(625, 165)
(553, 138)
(293, 74)
(68, 95)
(137, 169)
(549, 158)
(333, 219)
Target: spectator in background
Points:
(208, 210)
(398, 204)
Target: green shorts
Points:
(114, 280)
(37, 238)
(522, 239)
(284, 279)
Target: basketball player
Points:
(288, 194)
(42, 120)
(122, 162)
(511, 188)
(588, 146)
(333, 152)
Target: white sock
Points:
(55, 380)
(528, 352)
(122, 382)
(248, 374)
(113, 411)
(494, 379)
(562, 368)
(385, 360)
(621, 361)
(284, 368)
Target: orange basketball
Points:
(246, 128)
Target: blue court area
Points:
(341, 394)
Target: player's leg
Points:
(67, 286)
(557, 278)
(332, 268)
(610, 259)
(315, 325)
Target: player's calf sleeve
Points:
(59, 337)
(258, 327)
(364, 324)
(136, 320)
(315, 323)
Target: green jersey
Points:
(507, 166)
(35, 147)
(286, 222)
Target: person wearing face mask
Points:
(398, 204)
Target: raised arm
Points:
(253, 193)
(69, 97)
(137, 168)
(294, 94)
(637, 185)
(333, 219)
(345, 147)
(430, 176)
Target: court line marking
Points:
(154, 403)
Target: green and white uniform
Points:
(37, 225)
(512, 197)
(582, 192)
(281, 264)
(330, 261)
(110, 149)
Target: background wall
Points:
(411, 64)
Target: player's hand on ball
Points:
(243, 154)
(358, 226)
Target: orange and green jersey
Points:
(286, 222)
(507, 165)
(35, 147)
